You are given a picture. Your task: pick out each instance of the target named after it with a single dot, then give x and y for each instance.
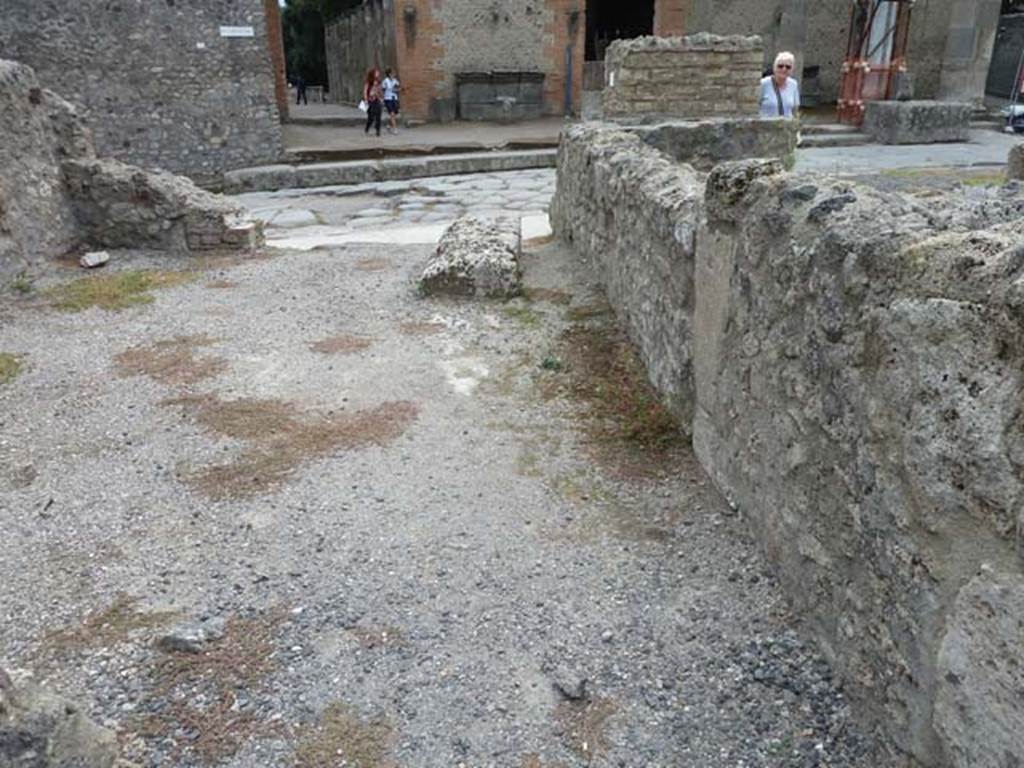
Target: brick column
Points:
(275, 42)
(969, 42)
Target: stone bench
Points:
(917, 122)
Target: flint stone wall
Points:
(698, 76)
(159, 84)
(917, 122)
(856, 367)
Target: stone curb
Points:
(269, 178)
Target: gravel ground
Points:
(391, 517)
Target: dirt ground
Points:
(436, 533)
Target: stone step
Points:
(302, 155)
(268, 178)
(820, 140)
(827, 129)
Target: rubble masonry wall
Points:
(697, 76)
(160, 85)
(857, 367)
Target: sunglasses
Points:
(783, 66)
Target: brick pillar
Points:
(566, 33)
(275, 42)
(969, 43)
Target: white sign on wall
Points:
(237, 32)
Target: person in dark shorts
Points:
(373, 95)
(300, 90)
(391, 87)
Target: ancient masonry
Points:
(690, 77)
(55, 195)
(184, 87)
(849, 365)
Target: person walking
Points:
(300, 91)
(373, 95)
(391, 87)
(780, 93)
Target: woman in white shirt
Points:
(780, 93)
(391, 88)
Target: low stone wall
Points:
(917, 122)
(39, 130)
(705, 143)
(855, 361)
(698, 76)
(625, 204)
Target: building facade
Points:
(194, 88)
(437, 44)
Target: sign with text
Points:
(237, 32)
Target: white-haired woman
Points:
(780, 93)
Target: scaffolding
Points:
(875, 55)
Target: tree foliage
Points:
(303, 23)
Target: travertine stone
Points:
(917, 122)
(476, 258)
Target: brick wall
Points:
(160, 86)
(697, 76)
(275, 40)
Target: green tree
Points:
(303, 27)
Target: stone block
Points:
(917, 122)
(475, 258)
(1015, 163)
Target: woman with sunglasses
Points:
(780, 93)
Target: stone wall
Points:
(356, 42)
(39, 132)
(160, 85)
(698, 76)
(705, 143)
(856, 361)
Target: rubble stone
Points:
(475, 258)
(39, 729)
(94, 259)
(705, 143)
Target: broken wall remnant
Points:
(917, 122)
(185, 87)
(476, 258)
(39, 131)
(705, 143)
(856, 360)
(56, 196)
(698, 76)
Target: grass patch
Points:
(21, 283)
(343, 738)
(523, 315)
(584, 725)
(106, 627)
(172, 361)
(115, 291)
(340, 345)
(238, 663)
(10, 367)
(280, 439)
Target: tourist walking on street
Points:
(780, 93)
(300, 91)
(391, 87)
(373, 95)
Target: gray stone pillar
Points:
(972, 33)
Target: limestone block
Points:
(705, 143)
(1015, 163)
(474, 258)
(981, 674)
(917, 122)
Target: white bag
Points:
(363, 106)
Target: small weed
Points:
(116, 291)
(524, 315)
(21, 283)
(551, 363)
(340, 345)
(10, 367)
(585, 725)
(171, 362)
(108, 627)
(344, 738)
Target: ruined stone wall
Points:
(160, 85)
(357, 41)
(705, 143)
(436, 41)
(857, 365)
(690, 77)
(39, 132)
(623, 203)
